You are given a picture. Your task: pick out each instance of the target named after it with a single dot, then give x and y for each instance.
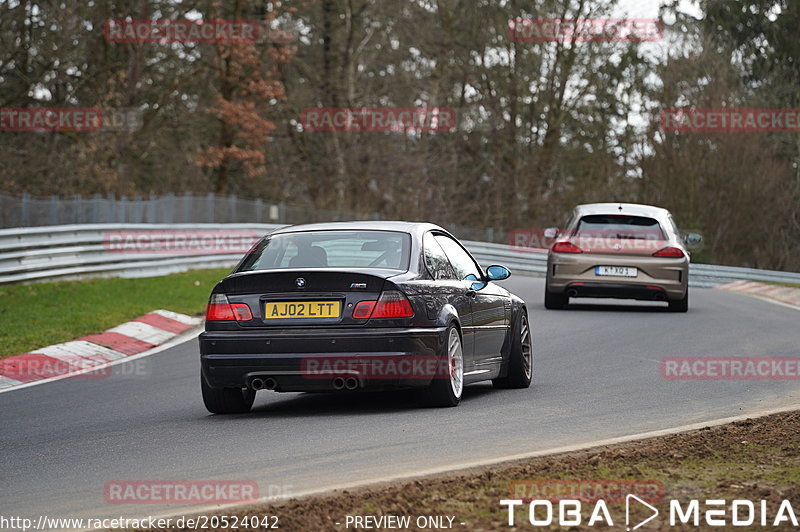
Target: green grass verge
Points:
(790, 285)
(40, 314)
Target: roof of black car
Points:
(362, 225)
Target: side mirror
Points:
(476, 284)
(497, 273)
(692, 239)
(551, 232)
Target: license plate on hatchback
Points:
(275, 310)
(616, 271)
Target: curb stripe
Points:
(167, 324)
(5, 382)
(118, 342)
(183, 318)
(785, 295)
(79, 350)
(97, 351)
(143, 332)
(31, 367)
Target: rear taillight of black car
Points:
(391, 304)
(219, 309)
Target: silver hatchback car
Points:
(619, 250)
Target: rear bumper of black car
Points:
(312, 359)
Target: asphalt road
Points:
(596, 376)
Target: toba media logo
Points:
(639, 512)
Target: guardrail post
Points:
(77, 210)
(210, 207)
(187, 201)
(25, 210)
(170, 208)
(231, 214)
(52, 214)
(95, 216)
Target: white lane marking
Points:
(177, 340)
(143, 331)
(183, 318)
(80, 349)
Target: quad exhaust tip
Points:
(351, 383)
(338, 383)
(270, 383)
(257, 384)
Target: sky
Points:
(649, 8)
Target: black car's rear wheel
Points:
(226, 400)
(446, 390)
(520, 363)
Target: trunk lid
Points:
(305, 298)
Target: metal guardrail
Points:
(72, 251)
(700, 275)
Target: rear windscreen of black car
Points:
(619, 226)
(331, 249)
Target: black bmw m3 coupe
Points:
(349, 306)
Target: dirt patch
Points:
(756, 459)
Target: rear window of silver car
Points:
(619, 226)
(331, 249)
